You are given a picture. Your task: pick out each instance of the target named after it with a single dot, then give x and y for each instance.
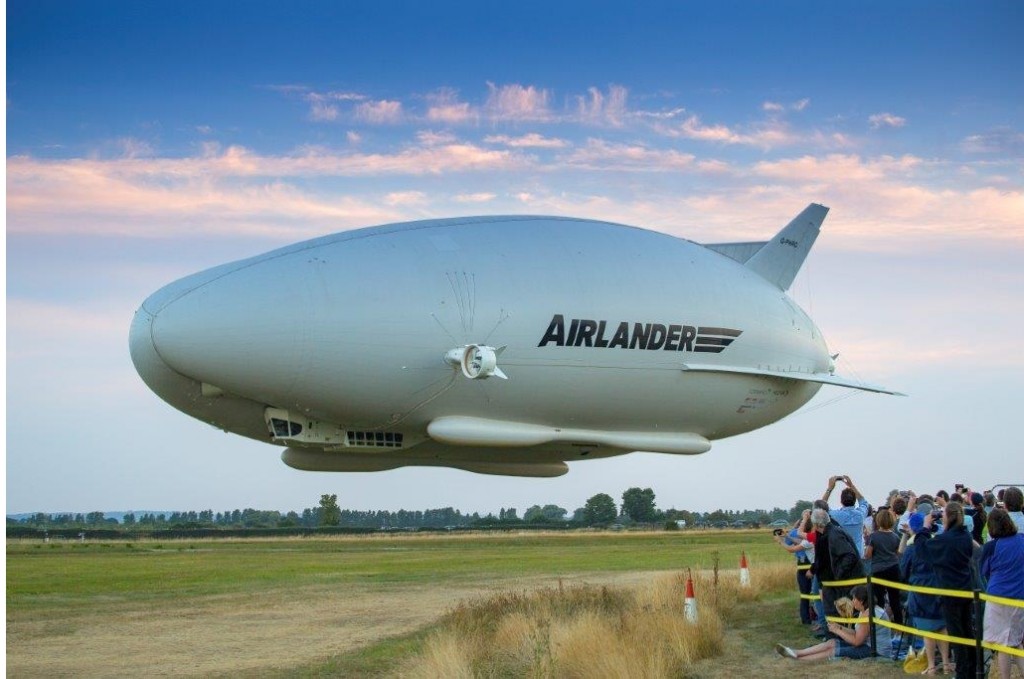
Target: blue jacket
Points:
(1002, 563)
(950, 554)
(915, 570)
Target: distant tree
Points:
(554, 512)
(638, 504)
(94, 518)
(330, 513)
(599, 510)
(534, 514)
(798, 509)
(129, 519)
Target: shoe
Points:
(785, 651)
(931, 670)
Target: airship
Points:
(506, 345)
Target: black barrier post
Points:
(979, 650)
(871, 617)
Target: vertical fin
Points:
(779, 260)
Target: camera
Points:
(937, 514)
(777, 532)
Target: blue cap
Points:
(916, 523)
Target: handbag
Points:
(915, 663)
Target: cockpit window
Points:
(284, 428)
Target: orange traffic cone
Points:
(690, 607)
(744, 570)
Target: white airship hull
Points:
(357, 337)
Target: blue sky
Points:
(146, 141)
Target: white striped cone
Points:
(690, 607)
(744, 571)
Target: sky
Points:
(148, 141)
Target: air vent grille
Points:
(375, 439)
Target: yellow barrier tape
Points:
(845, 583)
(923, 590)
(846, 621)
(1003, 649)
(803, 567)
(1019, 603)
(945, 637)
(811, 597)
(922, 633)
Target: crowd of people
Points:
(964, 540)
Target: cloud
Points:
(602, 155)
(474, 197)
(531, 140)
(353, 137)
(776, 107)
(382, 112)
(880, 120)
(445, 107)
(220, 191)
(323, 106)
(1001, 140)
(600, 109)
(428, 138)
(835, 167)
(134, 148)
(405, 198)
(517, 103)
(765, 135)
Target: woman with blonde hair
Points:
(848, 643)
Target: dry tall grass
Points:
(587, 631)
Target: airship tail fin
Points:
(779, 260)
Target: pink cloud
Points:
(531, 140)
(382, 112)
(879, 120)
(516, 102)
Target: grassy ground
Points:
(749, 652)
(312, 607)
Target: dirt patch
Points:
(220, 635)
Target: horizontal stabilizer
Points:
(739, 252)
(822, 378)
(779, 260)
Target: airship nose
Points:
(225, 329)
(166, 383)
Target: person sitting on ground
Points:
(925, 610)
(882, 547)
(1002, 564)
(854, 510)
(848, 643)
(1013, 500)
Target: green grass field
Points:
(86, 574)
(341, 606)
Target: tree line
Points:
(638, 506)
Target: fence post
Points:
(979, 650)
(871, 617)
